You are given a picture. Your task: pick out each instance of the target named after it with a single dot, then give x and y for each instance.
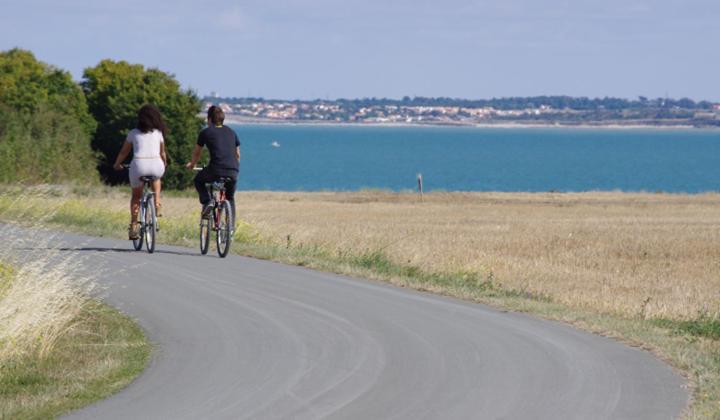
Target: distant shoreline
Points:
(233, 119)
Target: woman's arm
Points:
(124, 152)
(163, 154)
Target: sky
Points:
(388, 48)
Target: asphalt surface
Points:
(241, 338)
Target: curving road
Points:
(243, 338)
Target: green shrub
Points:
(28, 85)
(46, 146)
(45, 125)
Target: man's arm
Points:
(195, 157)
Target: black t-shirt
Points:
(221, 142)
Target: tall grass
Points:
(44, 293)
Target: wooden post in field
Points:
(420, 186)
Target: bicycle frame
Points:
(147, 194)
(146, 197)
(218, 202)
(218, 198)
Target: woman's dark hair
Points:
(149, 119)
(216, 115)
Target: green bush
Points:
(54, 130)
(28, 86)
(45, 147)
(45, 125)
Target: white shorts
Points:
(145, 167)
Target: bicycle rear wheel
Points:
(138, 243)
(225, 224)
(204, 235)
(150, 224)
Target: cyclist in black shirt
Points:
(224, 147)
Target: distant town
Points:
(542, 111)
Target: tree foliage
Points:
(116, 90)
(45, 125)
(27, 85)
(45, 147)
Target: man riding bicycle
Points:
(224, 147)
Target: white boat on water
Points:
(275, 144)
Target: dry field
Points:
(654, 255)
(631, 254)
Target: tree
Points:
(115, 91)
(45, 126)
(46, 147)
(27, 85)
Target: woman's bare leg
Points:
(157, 186)
(135, 204)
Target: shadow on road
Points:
(121, 250)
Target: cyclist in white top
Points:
(149, 159)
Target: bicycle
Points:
(147, 217)
(219, 219)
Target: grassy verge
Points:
(103, 353)
(640, 310)
(60, 349)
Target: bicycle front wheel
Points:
(204, 235)
(138, 243)
(224, 234)
(150, 224)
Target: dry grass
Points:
(59, 348)
(650, 254)
(98, 357)
(44, 294)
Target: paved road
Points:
(243, 338)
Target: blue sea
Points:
(347, 158)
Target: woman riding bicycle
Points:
(149, 159)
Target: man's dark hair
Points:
(216, 115)
(149, 119)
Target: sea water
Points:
(347, 158)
